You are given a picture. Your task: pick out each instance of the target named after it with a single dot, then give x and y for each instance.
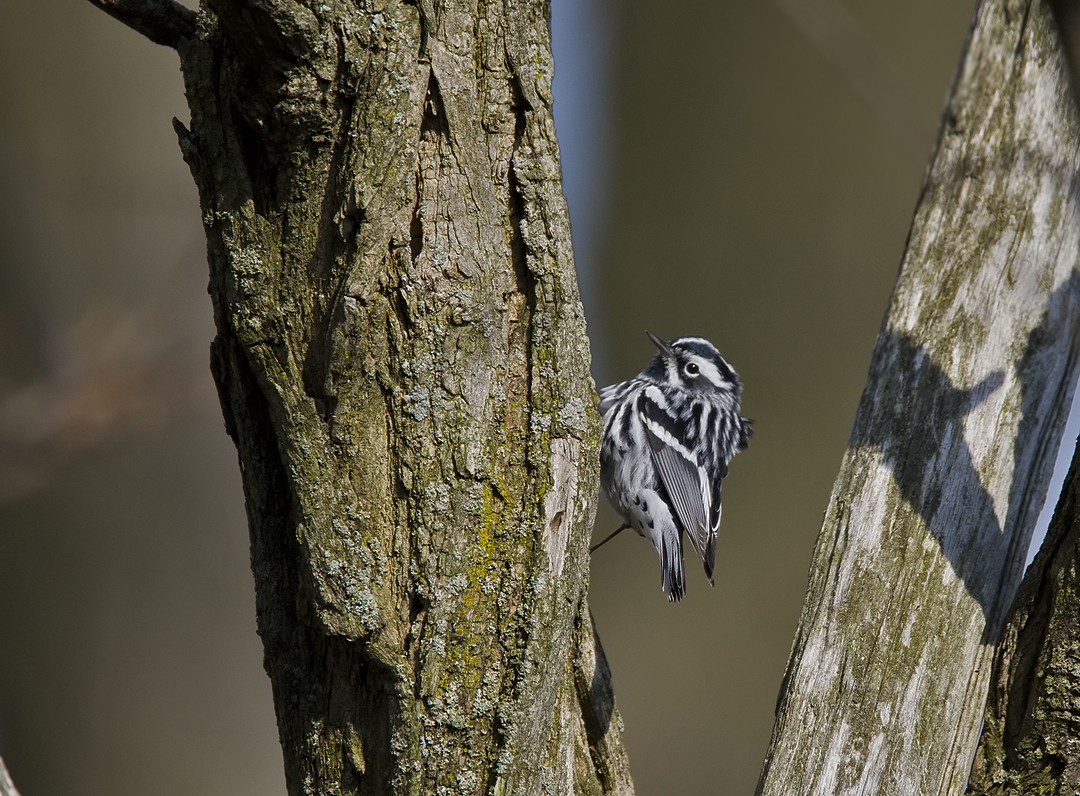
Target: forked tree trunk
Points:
(403, 365)
(402, 362)
(925, 535)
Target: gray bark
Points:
(1029, 743)
(402, 362)
(931, 515)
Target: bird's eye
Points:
(692, 369)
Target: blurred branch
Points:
(867, 70)
(107, 376)
(7, 787)
(164, 22)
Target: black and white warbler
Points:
(669, 434)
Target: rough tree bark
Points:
(1029, 743)
(402, 363)
(926, 532)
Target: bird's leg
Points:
(616, 532)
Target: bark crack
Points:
(332, 260)
(525, 279)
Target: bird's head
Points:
(693, 364)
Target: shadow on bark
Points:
(919, 430)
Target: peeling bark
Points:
(930, 518)
(402, 362)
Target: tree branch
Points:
(164, 22)
(924, 539)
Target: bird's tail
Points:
(672, 574)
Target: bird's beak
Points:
(662, 345)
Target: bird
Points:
(669, 434)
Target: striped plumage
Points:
(669, 434)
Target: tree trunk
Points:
(930, 518)
(403, 365)
(1029, 743)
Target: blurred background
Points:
(742, 171)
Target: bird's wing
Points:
(686, 481)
